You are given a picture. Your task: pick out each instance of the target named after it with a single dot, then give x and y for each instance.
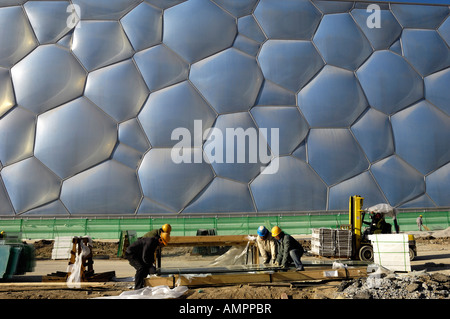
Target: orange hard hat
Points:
(167, 228)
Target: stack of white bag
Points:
(158, 292)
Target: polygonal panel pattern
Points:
(164, 107)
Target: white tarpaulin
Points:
(391, 251)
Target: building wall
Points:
(121, 107)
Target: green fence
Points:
(110, 228)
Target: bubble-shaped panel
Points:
(273, 94)
(74, 137)
(191, 29)
(291, 185)
(30, 184)
(143, 26)
(288, 19)
(118, 89)
(235, 148)
(238, 8)
(49, 19)
(419, 16)
(7, 99)
(55, 208)
(131, 134)
(381, 36)
(248, 27)
(104, 9)
(363, 185)
(161, 67)
(170, 183)
(421, 201)
(341, 42)
(222, 196)
(389, 82)
(374, 133)
(164, 4)
(177, 114)
(100, 43)
(290, 64)
(41, 83)
(230, 80)
(425, 50)
(444, 30)
(398, 180)
(414, 128)
(333, 98)
(109, 188)
(17, 135)
(436, 89)
(286, 122)
(6, 208)
(328, 7)
(438, 186)
(16, 36)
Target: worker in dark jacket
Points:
(141, 255)
(289, 249)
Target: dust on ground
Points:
(420, 284)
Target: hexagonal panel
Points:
(30, 184)
(374, 133)
(109, 188)
(191, 28)
(16, 36)
(118, 89)
(389, 82)
(238, 8)
(422, 136)
(74, 137)
(175, 110)
(41, 83)
(49, 19)
(164, 4)
(333, 98)
(290, 124)
(335, 155)
(273, 94)
(6, 208)
(161, 67)
(362, 184)
(55, 208)
(438, 185)
(436, 89)
(341, 42)
(222, 196)
(421, 201)
(419, 16)
(248, 27)
(17, 135)
(235, 148)
(131, 134)
(328, 7)
(293, 187)
(173, 184)
(7, 99)
(290, 64)
(104, 9)
(143, 26)
(399, 181)
(383, 36)
(289, 19)
(229, 81)
(444, 30)
(425, 50)
(96, 51)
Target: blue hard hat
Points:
(262, 231)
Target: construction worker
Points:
(2, 234)
(141, 255)
(419, 222)
(166, 228)
(266, 245)
(289, 249)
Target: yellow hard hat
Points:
(276, 231)
(420, 215)
(164, 239)
(167, 228)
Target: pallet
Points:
(61, 276)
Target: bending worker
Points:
(266, 245)
(141, 255)
(289, 249)
(166, 228)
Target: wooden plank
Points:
(224, 240)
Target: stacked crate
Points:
(330, 242)
(343, 243)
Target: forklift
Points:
(362, 247)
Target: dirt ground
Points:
(434, 256)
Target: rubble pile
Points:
(420, 285)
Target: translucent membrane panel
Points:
(74, 137)
(389, 82)
(229, 80)
(171, 183)
(6, 208)
(422, 136)
(7, 99)
(273, 94)
(238, 8)
(104, 9)
(131, 134)
(289, 185)
(191, 29)
(109, 188)
(438, 186)
(421, 201)
(328, 7)
(222, 196)
(444, 30)
(419, 16)
(436, 90)
(248, 27)
(30, 184)
(41, 83)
